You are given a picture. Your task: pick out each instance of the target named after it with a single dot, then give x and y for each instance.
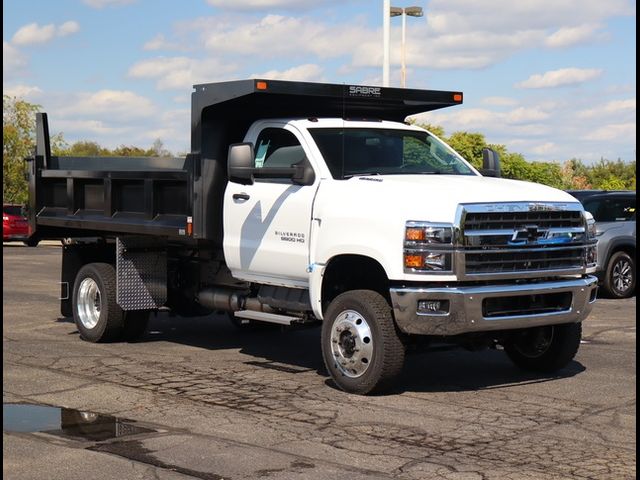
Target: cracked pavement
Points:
(225, 403)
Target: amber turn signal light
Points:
(415, 234)
(413, 261)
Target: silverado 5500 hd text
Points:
(309, 202)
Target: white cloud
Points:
(624, 88)
(570, 36)
(614, 107)
(309, 72)
(107, 3)
(109, 117)
(25, 92)
(33, 33)
(171, 127)
(67, 28)
(478, 119)
(265, 4)
(545, 148)
(13, 61)
(614, 131)
(561, 77)
(469, 33)
(524, 115)
(270, 36)
(88, 127)
(159, 42)
(457, 34)
(452, 16)
(122, 105)
(182, 72)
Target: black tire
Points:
(110, 317)
(32, 242)
(620, 277)
(135, 324)
(386, 350)
(545, 349)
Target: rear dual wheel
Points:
(95, 311)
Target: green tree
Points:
(131, 151)
(612, 183)
(573, 174)
(613, 175)
(469, 145)
(84, 148)
(18, 142)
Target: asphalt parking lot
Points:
(209, 401)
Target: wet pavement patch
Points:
(66, 422)
(134, 450)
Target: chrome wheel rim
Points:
(351, 344)
(89, 303)
(622, 276)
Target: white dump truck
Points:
(309, 202)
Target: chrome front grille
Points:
(521, 240)
(523, 260)
(510, 220)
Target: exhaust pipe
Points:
(230, 301)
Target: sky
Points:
(550, 79)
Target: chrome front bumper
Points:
(466, 307)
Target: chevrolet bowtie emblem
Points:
(526, 232)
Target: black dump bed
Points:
(181, 198)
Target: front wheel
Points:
(544, 349)
(620, 277)
(360, 345)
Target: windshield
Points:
(377, 151)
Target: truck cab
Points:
(333, 212)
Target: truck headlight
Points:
(428, 247)
(424, 232)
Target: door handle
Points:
(241, 196)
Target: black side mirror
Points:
(304, 174)
(240, 163)
(490, 163)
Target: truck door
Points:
(267, 224)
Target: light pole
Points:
(412, 12)
(385, 42)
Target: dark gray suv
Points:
(615, 215)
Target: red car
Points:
(15, 226)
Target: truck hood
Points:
(436, 197)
